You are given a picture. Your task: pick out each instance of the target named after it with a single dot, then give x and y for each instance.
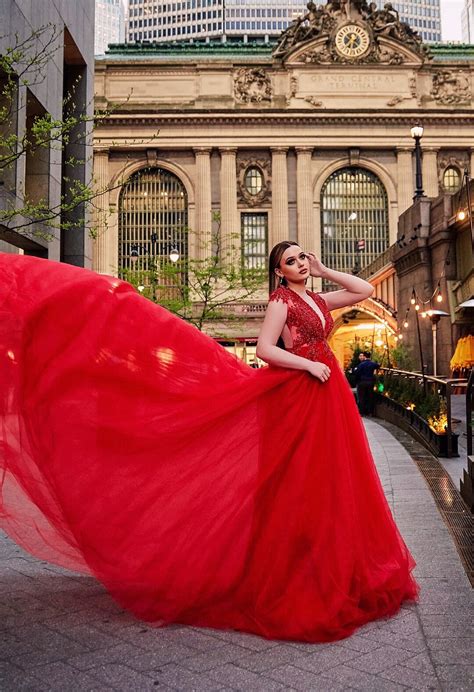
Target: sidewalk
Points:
(62, 632)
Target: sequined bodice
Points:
(308, 334)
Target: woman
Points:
(195, 488)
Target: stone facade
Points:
(337, 90)
(72, 23)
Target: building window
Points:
(452, 179)
(254, 229)
(153, 219)
(354, 219)
(253, 180)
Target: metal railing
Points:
(443, 387)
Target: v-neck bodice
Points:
(307, 330)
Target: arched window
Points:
(452, 179)
(354, 219)
(153, 219)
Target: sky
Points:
(451, 19)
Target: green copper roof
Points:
(216, 49)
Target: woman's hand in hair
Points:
(316, 267)
(319, 370)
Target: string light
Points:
(423, 314)
(417, 307)
(439, 298)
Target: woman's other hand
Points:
(319, 370)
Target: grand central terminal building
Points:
(307, 139)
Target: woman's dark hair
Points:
(274, 262)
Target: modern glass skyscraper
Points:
(162, 20)
(109, 24)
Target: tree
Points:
(29, 210)
(199, 289)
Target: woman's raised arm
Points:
(354, 289)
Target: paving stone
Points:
(116, 654)
(248, 641)
(266, 660)
(212, 659)
(380, 659)
(11, 646)
(412, 678)
(421, 662)
(323, 660)
(347, 676)
(181, 679)
(120, 677)
(27, 683)
(241, 679)
(60, 676)
(299, 679)
(362, 643)
(415, 642)
(41, 637)
(456, 673)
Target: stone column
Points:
(279, 230)
(471, 164)
(230, 220)
(101, 247)
(430, 172)
(202, 237)
(406, 189)
(304, 199)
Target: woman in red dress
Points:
(195, 488)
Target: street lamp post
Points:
(435, 316)
(417, 134)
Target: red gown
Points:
(195, 488)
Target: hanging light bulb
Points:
(439, 298)
(423, 314)
(400, 336)
(429, 313)
(405, 324)
(413, 300)
(174, 254)
(461, 215)
(417, 307)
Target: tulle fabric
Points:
(198, 490)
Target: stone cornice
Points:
(303, 117)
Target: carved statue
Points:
(451, 88)
(252, 85)
(321, 21)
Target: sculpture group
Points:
(323, 20)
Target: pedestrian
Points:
(365, 379)
(136, 449)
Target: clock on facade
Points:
(352, 41)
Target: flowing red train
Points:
(198, 490)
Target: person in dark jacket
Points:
(365, 379)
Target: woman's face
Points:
(294, 265)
